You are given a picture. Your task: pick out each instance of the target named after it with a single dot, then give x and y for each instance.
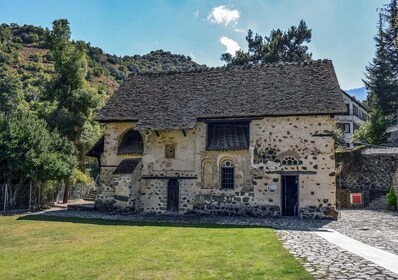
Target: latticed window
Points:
(291, 161)
(170, 151)
(131, 144)
(227, 174)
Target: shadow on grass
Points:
(104, 222)
(215, 222)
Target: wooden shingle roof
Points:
(176, 100)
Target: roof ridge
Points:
(232, 67)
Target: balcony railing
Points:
(362, 116)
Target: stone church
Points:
(251, 140)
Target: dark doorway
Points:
(289, 195)
(173, 195)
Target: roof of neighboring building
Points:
(127, 166)
(359, 103)
(175, 100)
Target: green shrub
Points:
(35, 57)
(392, 197)
(97, 71)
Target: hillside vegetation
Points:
(24, 53)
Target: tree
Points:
(10, 92)
(382, 74)
(280, 46)
(379, 75)
(373, 131)
(338, 137)
(75, 102)
(29, 151)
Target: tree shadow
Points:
(189, 221)
(106, 222)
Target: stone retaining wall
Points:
(368, 172)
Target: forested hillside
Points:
(24, 53)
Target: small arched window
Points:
(131, 144)
(291, 161)
(227, 174)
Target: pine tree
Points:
(280, 46)
(75, 102)
(391, 18)
(378, 73)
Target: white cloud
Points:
(232, 46)
(223, 15)
(192, 56)
(196, 13)
(240, 30)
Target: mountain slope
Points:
(358, 93)
(24, 55)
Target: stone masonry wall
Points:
(370, 174)
(375, 172)
(274, 142)
(299, 146)
(109, 161)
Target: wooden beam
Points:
(169, 177)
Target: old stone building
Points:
(234, 140)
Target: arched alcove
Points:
(131, 144)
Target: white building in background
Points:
(392, 131)
(355, 116)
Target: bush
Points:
(392, 197)
(97, 71)
(35, 57)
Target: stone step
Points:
(90, 196)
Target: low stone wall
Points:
(371, 172)
(381, 150)
(318, 213)
(238, 209)
(235, 203)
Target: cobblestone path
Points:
(327, 261)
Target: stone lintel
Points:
(169, 177)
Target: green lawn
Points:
(38, 247)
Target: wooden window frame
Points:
(227, 174)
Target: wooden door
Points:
(173, 195)
(289, 195)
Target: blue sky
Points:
(343, 30)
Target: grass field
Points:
(38, 247)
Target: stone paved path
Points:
(321, 258)
(375, 228)
(327, 261)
